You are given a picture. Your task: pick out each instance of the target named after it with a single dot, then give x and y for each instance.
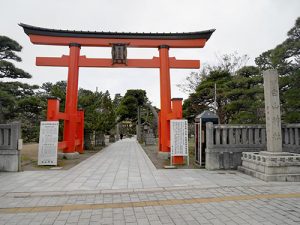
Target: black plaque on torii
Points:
(119, 53)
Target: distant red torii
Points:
(73, 119)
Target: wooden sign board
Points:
(179, 138)
(48, 142)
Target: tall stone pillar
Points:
(272, 108)
(273, 164)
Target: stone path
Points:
(123, 165)
(120, 185)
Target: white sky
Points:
(245, 26)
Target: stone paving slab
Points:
(246, 211)
(52, 199)
(141, 203)
(122, 165)
(121, 186)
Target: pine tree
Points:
(11, 92)
(8, 49)
(285, 57)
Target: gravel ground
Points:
(29, 157)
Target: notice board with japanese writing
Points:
(179, 137)
(48, 142)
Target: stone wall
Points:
(225, 143)
(10, 160)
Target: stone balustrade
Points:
(291, 138)
(225, 143)
(9, 150)
(271, 160)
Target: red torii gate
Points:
(74, 119)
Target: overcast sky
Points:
(243, 26)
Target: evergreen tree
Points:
(204, 95)
(18, 101)
(245, 97)
(285, 57)
(55, 90)
(98, 110)
(239, 97)
(117, 100)
(227, 62)
(8, 49)
(10, 92)
(129, 104)
(240, 91)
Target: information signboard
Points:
(47, 154)
(179, 138)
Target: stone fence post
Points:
(10, 157)
(209, 134)
(211, 159)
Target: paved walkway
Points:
(120, 185)
(123, 165)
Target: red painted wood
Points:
(104, 42)
(70, 125)
(131, 63)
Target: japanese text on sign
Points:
(48, 143)
(179, 137)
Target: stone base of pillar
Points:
(10, 160)
(73, 155)
(270, 166)
(163, 155)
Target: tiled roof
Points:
(28, 29)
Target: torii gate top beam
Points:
(45, 36)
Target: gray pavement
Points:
(120, 185)
(123, 165)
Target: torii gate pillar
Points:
(70, 125)
(168, 111)
(165, 98)
(73, 136)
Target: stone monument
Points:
(273, 164)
